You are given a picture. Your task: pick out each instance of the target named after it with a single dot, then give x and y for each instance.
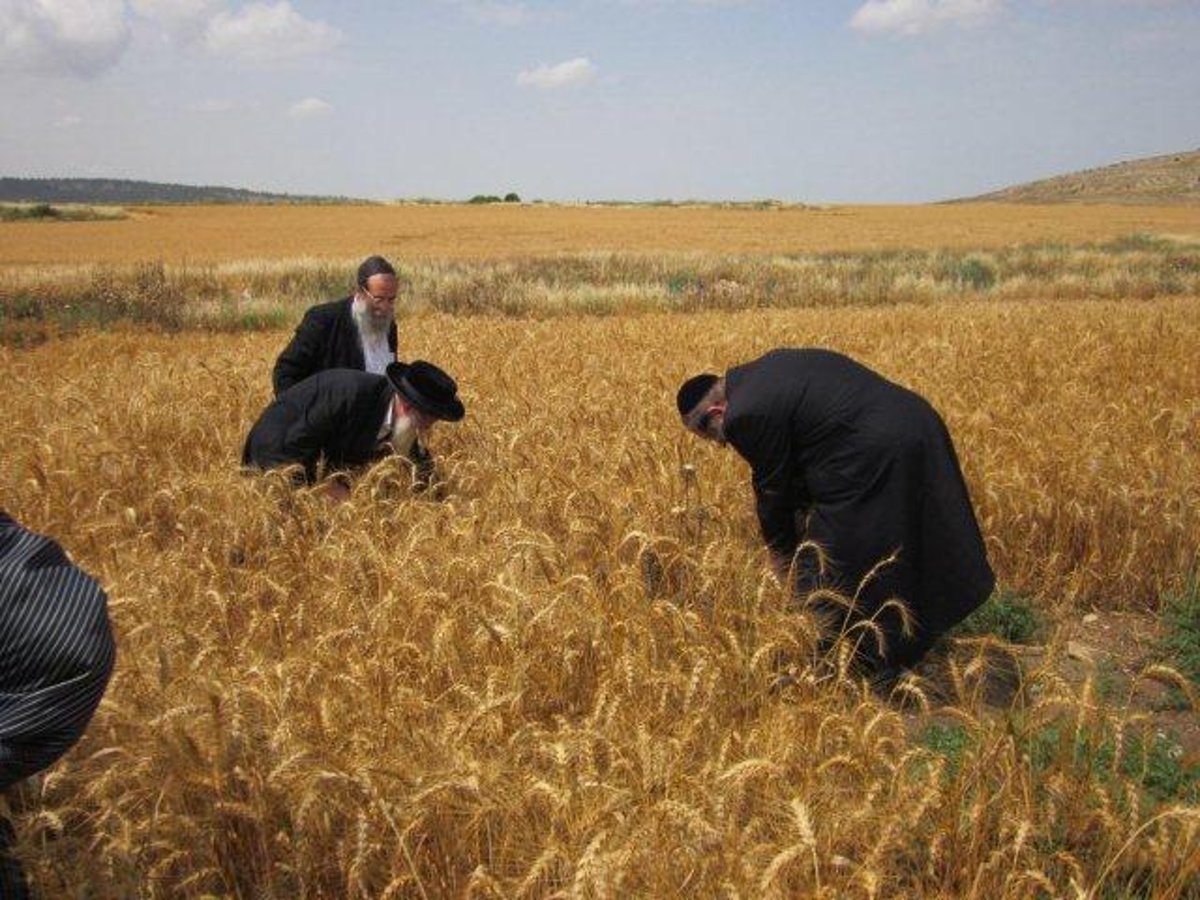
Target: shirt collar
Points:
(385, 430)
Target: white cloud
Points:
(912, 17)
(494, 12)
(184, 20)
(85, 37)
(268, 32)
(68, 122)
(574, 71)
(66, 37)
(309, 108)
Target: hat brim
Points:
(452, 411)
(446, 412)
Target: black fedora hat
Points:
(428, 388)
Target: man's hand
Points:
(425, 471)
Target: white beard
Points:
(371, 328)
(404, 434)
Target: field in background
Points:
(557, 680)
(197, 235)
(37, 303)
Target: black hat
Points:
(428, 388)
(693, 391)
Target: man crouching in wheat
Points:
(865, 470)
(345, 418)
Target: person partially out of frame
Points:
(56, 656)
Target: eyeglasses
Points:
(391, 299)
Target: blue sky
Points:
(867, 101)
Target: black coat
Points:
(326, 338)
(335, 415)
(864, 468)
(56, 653)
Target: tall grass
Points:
(36, 302)
(70, 212)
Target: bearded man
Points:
(866, 470)
(355, 332)
(346, 419)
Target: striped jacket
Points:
(56, 651)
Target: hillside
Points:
(1170, 179)
(119, 191)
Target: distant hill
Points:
(117, 191)
(1171, 179)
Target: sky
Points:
(882, 101)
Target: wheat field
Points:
(558, 680)
(196, 235)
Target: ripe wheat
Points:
(558, 681)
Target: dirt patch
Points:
(1127, 649)
(1119, 652)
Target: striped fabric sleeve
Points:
(56, 651)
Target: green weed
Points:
(1154, 761)
(1181, 628)
(1006, 615)
(977, 272)
(45, 212)
(948, 740)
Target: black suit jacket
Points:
(863, 467)
(333, 415)
(326, 338)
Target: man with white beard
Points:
(346, 419)
(355, 332)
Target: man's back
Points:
(56, 651)
(335, 413)
(816, 392)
